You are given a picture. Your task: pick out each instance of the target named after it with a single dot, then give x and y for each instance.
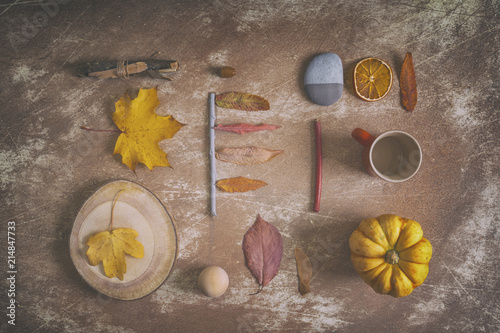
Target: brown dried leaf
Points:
(408, 83)
(246, 128)
(247, 155)
(239, 184)
(241, 101)
(263, 250)
(304, 269)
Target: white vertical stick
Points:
(213, 171)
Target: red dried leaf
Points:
(263, 250)
(408, 83)
(241, 101)
(246, 128)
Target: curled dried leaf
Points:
(304, 270)
(408, 83)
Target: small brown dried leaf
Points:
(247, 155)
(239, 184)
(304, 270)
(408, 83)
(241, 101)
(246, 128)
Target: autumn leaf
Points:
(110, 248)
(240, 184)
(248, 155)
(241, 101)
(408, 83)
(246, 128)
(263, 250)
(142, 129)
(304, 270)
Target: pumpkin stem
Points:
(392, 257)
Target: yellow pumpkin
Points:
(390, 254)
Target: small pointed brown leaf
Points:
(408, 83)
(246, 128)
(247, 155)
(263, 250)
(240, 184)
(241, 101)
(304, 270)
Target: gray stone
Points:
(324, 79)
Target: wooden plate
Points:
(136, 208)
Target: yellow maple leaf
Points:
(110, 248)
(142, 130)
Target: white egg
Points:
(213, 281)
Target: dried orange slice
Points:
(372, 79)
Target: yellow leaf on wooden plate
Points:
(240, 184)
(142, 130)
(110, 248)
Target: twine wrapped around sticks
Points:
(122, 69)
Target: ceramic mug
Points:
(394, 156)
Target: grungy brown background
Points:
(49, 166)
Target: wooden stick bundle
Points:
(123, 69)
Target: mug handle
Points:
(363, 137)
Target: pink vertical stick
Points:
(319, 164)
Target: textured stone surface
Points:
(49, 166)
